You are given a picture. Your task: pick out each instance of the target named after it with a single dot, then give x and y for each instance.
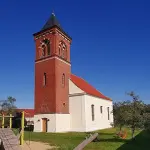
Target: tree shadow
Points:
(114, 140)
(141, 141)
(106, 134)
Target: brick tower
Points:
(52, 73)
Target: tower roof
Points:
(53, 22)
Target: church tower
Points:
(52, 73)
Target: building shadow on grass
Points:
(141, 141)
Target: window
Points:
(62, 50)
(47, 43)
(44, 79)
(108, 113)
(92, 109)
(63, 53)
(64, 104)
(48, 49)
(43, 50)
(45, 47)
(63, 80)
(101, 109)
(59, 50)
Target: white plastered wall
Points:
(73, 89)
(100, 119)
(77, 115)
(62, 122)
(56, 123)
(81, 114)
(76, 108)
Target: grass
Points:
(68, 141)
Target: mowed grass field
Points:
(68, 141)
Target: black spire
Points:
(52, 21)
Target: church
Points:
(63, 101)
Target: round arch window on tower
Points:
(45, 48)
(62, 48)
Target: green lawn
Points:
(67, 141)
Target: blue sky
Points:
(110, 47)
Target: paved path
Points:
(36, 146)
(8, 139)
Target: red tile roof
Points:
(86, 87)
(28, 112)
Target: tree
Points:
(147, 117)
(16, 121)
(8, 105)
(135, 111)
(120, 115)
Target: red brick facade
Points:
(53, 96)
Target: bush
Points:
(16, 121)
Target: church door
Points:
(44, 124)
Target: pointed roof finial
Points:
(53, 13)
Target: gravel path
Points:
(36, 146)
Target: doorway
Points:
(44, 125)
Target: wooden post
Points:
(3, 121)
(22, 129)
(86, 142)
(10, 121)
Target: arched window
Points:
(63, 80)
(62, 50)
(92, 109)
(48, 49)
(63, 53)
(44, 79)
(43, 50)
(59, 48)
(66, 53)
(101, 109)
(47, 44)
(108, 113)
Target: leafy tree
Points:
(120, 115)
(8, 105)
(135, 111)
(16, 121)
(147, 117)
(147, 108)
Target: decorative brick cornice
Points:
(51, 57)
